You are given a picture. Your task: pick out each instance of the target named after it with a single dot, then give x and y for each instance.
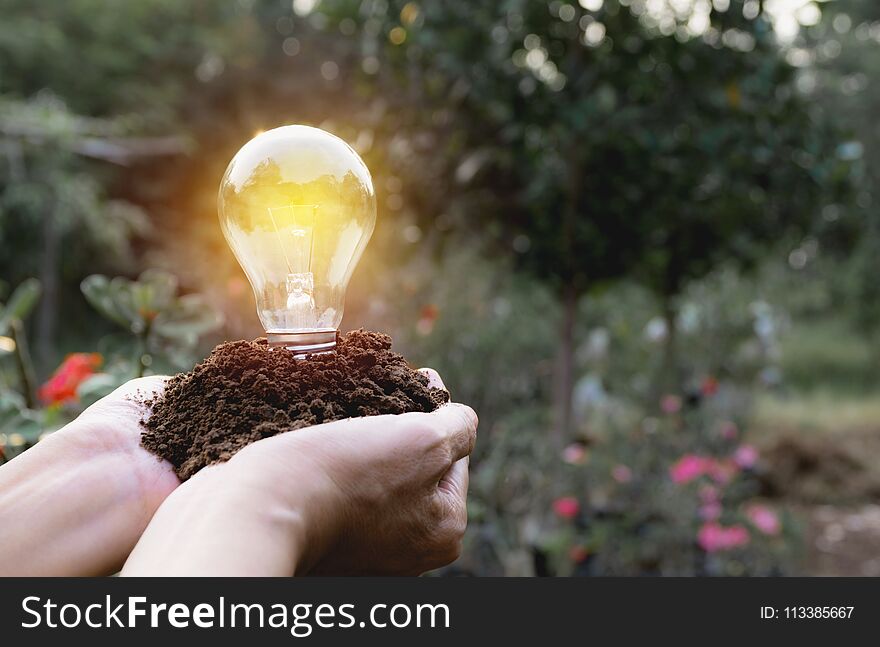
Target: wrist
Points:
(229, 519)
(287, 488)
(121, 467)
(48, 525)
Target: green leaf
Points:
(15, 417)
(122, 292)
(190, 317)
(120, 346)
(97, 386)
(97, 291)
(21, 302)
(156, 290)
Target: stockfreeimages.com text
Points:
(299, 619)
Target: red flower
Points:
(74, 370)
(429, 311)
(577, 554)
(714, 537)
(566, 507)
(709, 385)
(427, 317)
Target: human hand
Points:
(379, 494)
(77, 502)
(386, 495)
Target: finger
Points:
(458, 423)
(141, 387)
(455, 482)
(131, 397)
(433, 378)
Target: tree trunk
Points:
(564, 382)
(571, 291)
(668, 379)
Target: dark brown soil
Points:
(822, 470)
(243, 392)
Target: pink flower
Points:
(745, 456)
(764, 519)
(713, 537)
(566, 507)
(688, 468)
(710, 511)
(728, 430)
(575, 454)
(709, 494)
(721, 471)
(621, 474)
(670, 404)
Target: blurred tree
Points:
(602, 139)
(840, 69)
(82, 81)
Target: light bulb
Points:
(297, 207)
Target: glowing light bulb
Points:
(297, 207)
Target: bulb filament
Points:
(296, 240)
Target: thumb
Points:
(433, 378)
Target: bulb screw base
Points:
(303, 343)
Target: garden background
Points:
(639, 237)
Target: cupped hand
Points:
(384, 494)
(82, 497)
(372, 495)
(110, 430)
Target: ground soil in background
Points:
(831, 482)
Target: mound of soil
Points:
(244, 392)
(821, 470)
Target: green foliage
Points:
(12, 316)
(509, 325)
(841, 73)
(19, 304)
(15, 417)
(152, 313)
(132, 58)
(639, 153)
(16, 413)
(48, 192)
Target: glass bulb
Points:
(297, 208)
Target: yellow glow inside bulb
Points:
(297, 207)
